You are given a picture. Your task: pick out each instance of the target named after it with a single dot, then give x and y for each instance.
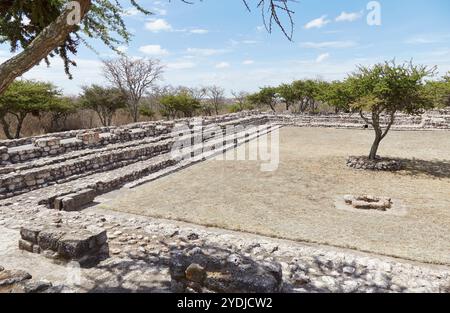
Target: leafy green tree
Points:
(105, 101)
(147, 112)
(267, 96)
(24, 97)
(338, 95)
(288, 95)
(446, 77)
(385, 89)
(60, 108)
(41, 29)
(181, 104)
(439, 91)
(308, 93)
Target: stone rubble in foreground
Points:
(125, 253)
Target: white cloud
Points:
(260, 28)
(421, 40)
(181, 65)
(427, 39)
(318, 22)
(159, 11)
(199, 31)
(329, 44)
(205, 52)
(248, 62)
(158, 25)
(349, 17)
(222, 65)
(322, 57)
(154, 50)
(249, 42)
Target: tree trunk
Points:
(5, 126)
(375, 145)
(49, 39)
(20, 119)
(272, 106)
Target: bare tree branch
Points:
(134, 78)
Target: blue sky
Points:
(219, 42)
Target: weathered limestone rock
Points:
(10, 277)
(75, 201)
(380, 164)
(4, 156)
(64, 242)
(19, 281)
(211, 269)
(89, 138)
(51, 142)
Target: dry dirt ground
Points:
(297, 200)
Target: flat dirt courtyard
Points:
(297, 200)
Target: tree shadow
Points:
(115, 278)
(435, 168)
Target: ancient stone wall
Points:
(32, 163)
(54, 161)
(434, 119)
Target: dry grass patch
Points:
(297, 200)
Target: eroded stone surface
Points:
(64, 241)
(212, 269)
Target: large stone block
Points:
(9, 277)
(76, 244)
(30, 233)
(48, 238)
(75, 201)
(47, 142)
(25, 245)
(64, 241)
(89, 138)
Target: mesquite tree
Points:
(22, 98)
(267, 96)
(45, 28)
(385, 89)
(105, 101)
(288, 94)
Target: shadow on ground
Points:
(128, 276)
(437, 169)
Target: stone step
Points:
(25, 149)
(212, 152)
(147, 170)
(106, 159)
(30, 179)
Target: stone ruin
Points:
(64, 172)
(368, 202)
